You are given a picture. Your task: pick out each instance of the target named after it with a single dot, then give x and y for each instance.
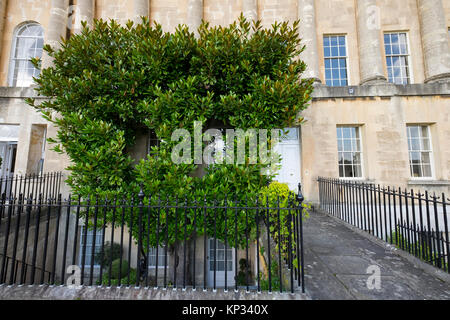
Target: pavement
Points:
(338, 256)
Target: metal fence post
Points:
(300, 200)
(138, 258)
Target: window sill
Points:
(429, 182)
(361, 180)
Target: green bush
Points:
(275, 278)
(422, 249)
(278, 194)
(110, 253)
(242, 275)
(115, 281)
(115, 267)
(111, 82)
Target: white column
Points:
(369, 43)
(194, 15)
(307, 30)
(57, 28)
(436, 49)
(250, 9)
(141, 9)
(84, 11)
(2, 21)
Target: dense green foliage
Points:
(422, 248)
(108, 255)
(110, 82)
(124, 274)
(118, 269)
(274, 278)
(244, 274)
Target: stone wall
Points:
(123, 293)
(383, 113)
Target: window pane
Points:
(426, 158)
(346, 133)
(415, 157)
(349, 171)
(349, 152)
(358, 171)
(348, 157)
(415, 144)
(426, 170)
(348, 145)
(396, 49)
(28, 44)
(343, 73)
(415, 171)
(355, 145)
(335, 69)
(334, 41)
(419, 145)
(426, 144)
(387, 48)
(414, 131)
(357, 158)
(334, 51)
(335, 63)
(335, 73)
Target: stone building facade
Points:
(380, 110)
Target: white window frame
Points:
(161, 254)
(408, 56)
(340, 57)
(358, 127)
(432, 177)
(12, 59)
(88, 248)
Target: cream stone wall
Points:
(332, 17)
(18, 12)
(383, 123)
(169, 13)
(338, 17)
(221, 12)
(270, 11)
(382, 115)
(14, 111)
(446, 5)
(403, 16)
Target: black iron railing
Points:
(46, 184)
(16, 267)
(411, 220)
(152, 241)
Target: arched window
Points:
(27, 43)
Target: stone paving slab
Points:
(337, 257)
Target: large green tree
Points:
(111, 81)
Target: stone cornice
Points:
(381, 90)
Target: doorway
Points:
(8, 151)
(289, 149)
(220, 264)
